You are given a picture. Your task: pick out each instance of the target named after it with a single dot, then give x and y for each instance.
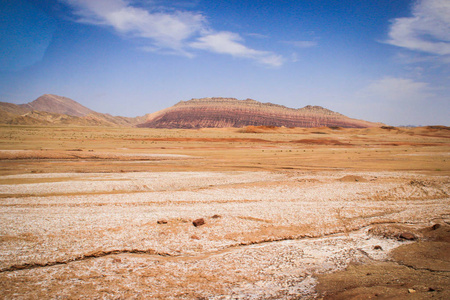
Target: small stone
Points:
(407, 236)
(431, 289)
(216, 216)
(199, 222)
(411, 291)
(377, 247)
(435, 226)
(194, 237)
(162, 221)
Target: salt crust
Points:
(260, 207)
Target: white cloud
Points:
(167, 31)
(302, 44)
(257, 35)
(428, 30)
(399, 101)
(393, 90)
(225, 42)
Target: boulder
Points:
(407, 236)
(199, 222)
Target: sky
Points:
(382, 61)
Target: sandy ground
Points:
(121, 225)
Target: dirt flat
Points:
(111, 213)
(417, 270)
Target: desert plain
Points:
(233, 213)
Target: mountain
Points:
(195, 113)
(58, 104)
(12, 108)
(230, 112)
(56, 110)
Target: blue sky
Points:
(383, 61)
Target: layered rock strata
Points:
(230, 112)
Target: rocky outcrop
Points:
(230, 112)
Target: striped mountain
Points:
(230, 112)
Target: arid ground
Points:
(281, 213)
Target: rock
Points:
(435, 226)
(377, 247)
(199, 222)
(407, 236)
(162, 221)
(411, 291)
(194, 237)
(216, 216)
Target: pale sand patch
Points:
(127, 182)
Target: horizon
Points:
(380, 62)
(270, 103)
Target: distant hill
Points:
(12, 109)
(57, 110)
(57, 104)
(230, 112)
(196, 113)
